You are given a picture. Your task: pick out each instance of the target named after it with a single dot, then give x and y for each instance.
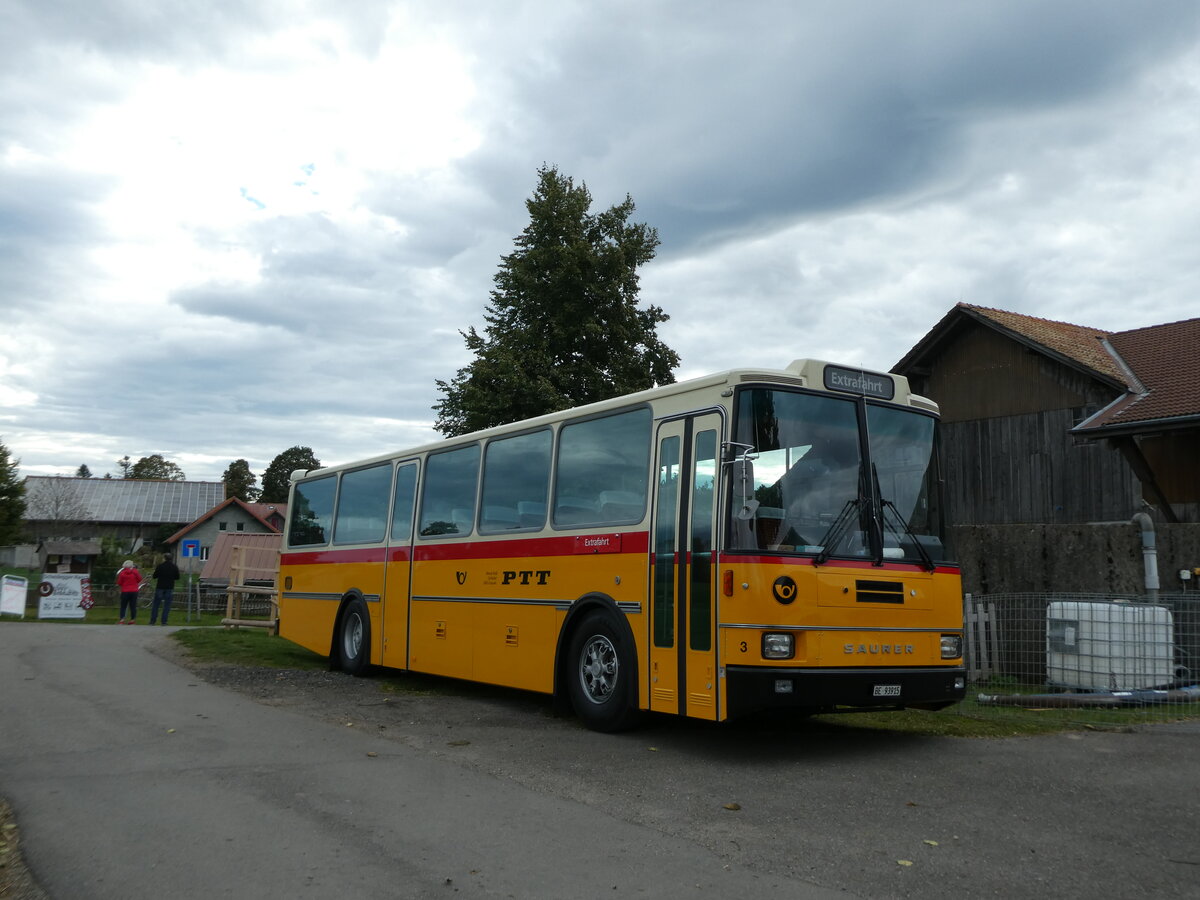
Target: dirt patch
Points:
(323, 693)
(15, 881)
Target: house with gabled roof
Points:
(231, 516)
(132, 510)
(1050, 422)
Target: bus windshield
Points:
(809, 483)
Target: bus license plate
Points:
(887, 690)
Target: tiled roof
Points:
(1080, 343)
(122, 500)
(1158, 367)
(265, 510)
(1165, 360)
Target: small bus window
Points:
(704, 488)
(448, 501)
(312, 512)
(666, 535)
(402, 507)
(362, 506)
(516, 483)
(603, 468)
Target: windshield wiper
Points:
(926, 559)
(834, 535)
(875, 536)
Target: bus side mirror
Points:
(743, 480)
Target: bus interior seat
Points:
(619, 506)
(768, 525)
(500, 518)
(574, 511)
(531, 514)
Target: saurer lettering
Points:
(880, 649)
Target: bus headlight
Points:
(778, 646)
(951, 646)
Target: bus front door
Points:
(683, 646)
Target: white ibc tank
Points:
(1109, 645)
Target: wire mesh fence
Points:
(194, 598)
(1094, 657)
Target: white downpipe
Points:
(1149, 552)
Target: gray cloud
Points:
(46, 229)
(722, 118)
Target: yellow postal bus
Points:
(750, 540)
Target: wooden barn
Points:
(1053, 423)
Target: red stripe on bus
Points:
(631, 542)
(834, 563)
(320, 557)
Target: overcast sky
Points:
(229, 228)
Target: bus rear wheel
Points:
(354, 638)
(600, 679)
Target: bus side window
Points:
(448, 500)
(402, 504)
(602, 471)
(312, 512)
(516, 482)
(362, 506)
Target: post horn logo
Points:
(784, 589)
(461, 577)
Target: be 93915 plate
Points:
(887, 690)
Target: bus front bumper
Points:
(752, 688)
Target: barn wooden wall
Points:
(1028, 468)
(1094, 559)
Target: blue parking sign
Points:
(190, 547)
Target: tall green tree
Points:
(12, 499)
(240, 482)
(563, 325)
(277, 477)
(83, 471)
(155, 468)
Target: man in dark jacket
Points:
(165, 576)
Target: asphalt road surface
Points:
(132, 776)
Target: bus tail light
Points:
(952, 645)
(777, 645)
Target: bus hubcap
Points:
(598, 669)
(354, 633)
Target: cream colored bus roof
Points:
(669, 399)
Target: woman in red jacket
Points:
(129, 579)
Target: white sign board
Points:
(64, 596)
(12, 595)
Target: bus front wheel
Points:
(601, 676)
(354, 638)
